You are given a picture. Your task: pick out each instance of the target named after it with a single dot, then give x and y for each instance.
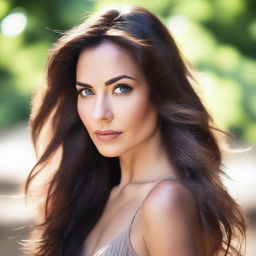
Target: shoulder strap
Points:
(133, 218)
(166, 178)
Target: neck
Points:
(147, 162)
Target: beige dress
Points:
(121, 244)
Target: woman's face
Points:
(113, 100)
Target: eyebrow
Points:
(109, 82)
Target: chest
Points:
(115, 219)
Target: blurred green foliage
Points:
(218, 37)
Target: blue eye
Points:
(85, 92)
(121, 89)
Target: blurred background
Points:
(217, 37)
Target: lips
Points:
(106, 132)
(107, 135)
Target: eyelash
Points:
(117, 86)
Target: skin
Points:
(167, 223)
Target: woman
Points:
(138, 168)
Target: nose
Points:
(102, 109)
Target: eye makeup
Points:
(123, 89)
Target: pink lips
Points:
(107, 134)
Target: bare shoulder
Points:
(170, 221)
(169, 197)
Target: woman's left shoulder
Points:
(169, 197)
(170, 221)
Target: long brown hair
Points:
(78, 186)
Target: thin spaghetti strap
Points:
(170, 178)
(133, 218)
(166, 178)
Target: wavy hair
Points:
(79, 182)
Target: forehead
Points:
(102, 62)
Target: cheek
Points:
(140, 115)
(83, 112)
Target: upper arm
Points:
(170, 221)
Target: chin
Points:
(108, 151)
(107, 154)
(111, 151)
